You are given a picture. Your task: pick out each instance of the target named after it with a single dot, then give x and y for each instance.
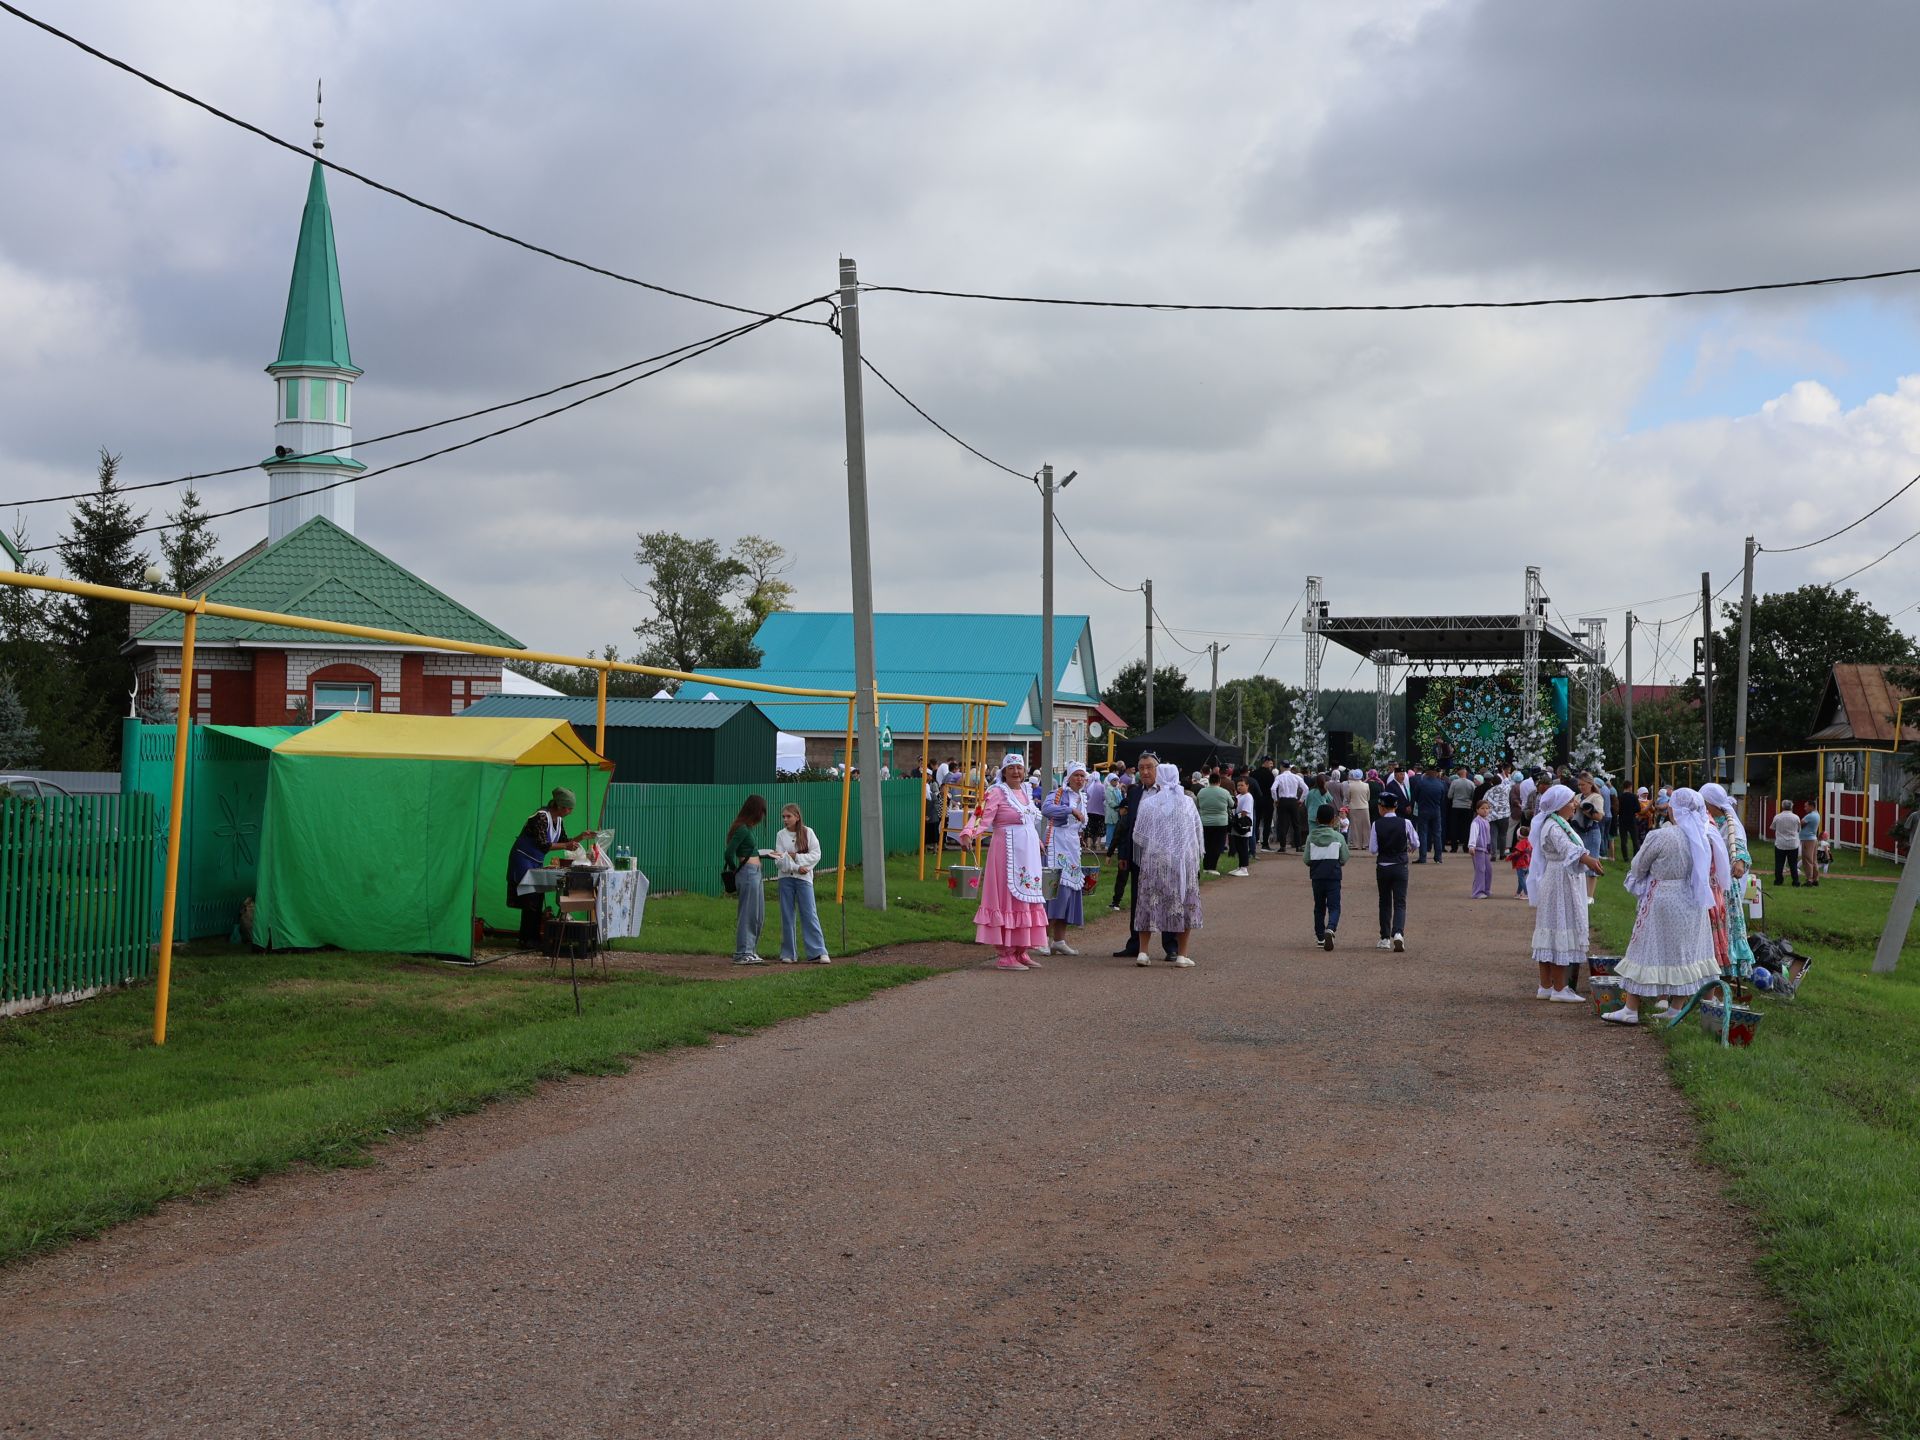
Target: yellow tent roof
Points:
(444, 737)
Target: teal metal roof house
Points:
(660, 742)
(989, 657)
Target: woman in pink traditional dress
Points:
(1013, 915)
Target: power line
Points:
(714, 342)
(971, 450)
(385, 189)
(1790, 549)
(1873, 562)
(1533, 304)
(377, 439)
(1123, 589)
(1171, 635)
(1261, 668)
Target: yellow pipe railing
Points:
(197, 607)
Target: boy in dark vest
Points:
(1392, 843)
(1325, 853)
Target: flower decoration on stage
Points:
(1480, 717)
(1590, 751)
(1383, 742)
(1309, 732)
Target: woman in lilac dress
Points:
(1067, 819)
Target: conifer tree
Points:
(19, 737)
(188, 548)
(99, 547)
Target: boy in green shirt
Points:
(1325, 853)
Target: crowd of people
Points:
(1687, 850)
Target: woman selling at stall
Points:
(1066, 811)
(1012, 917)
(545, 830)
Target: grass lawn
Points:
(1819, 1126)
(273, 1060)
(916, 910)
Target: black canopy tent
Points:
(1183, 742)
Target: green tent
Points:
(390, 832)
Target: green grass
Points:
(917, 910)
(275, 1060)
(1819, 1127)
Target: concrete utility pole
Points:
(1706, 675)
(1240, 722)
(1213, 690)
(1148, 587)
(1899, 918)
(873, 824)
(1051, 676)
(1739, 786)
(1630, 757)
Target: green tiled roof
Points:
(315, 330)
(323, 573)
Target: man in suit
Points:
(1430, 799)
(1397, 785)
(1260, 783)
(1123, 852)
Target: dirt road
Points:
(1285, 1194)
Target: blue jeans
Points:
(1326, 907)
(796, 904)
(752, 896)
(1431, 826)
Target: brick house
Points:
(311, 563)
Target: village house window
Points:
(331, 698)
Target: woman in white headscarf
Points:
(1673, 875)
(1730, 927)
(1066, 814)
(1166, 856)
(1557, 894)
(1012, 917)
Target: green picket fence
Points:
(78, 881)
(678, 832)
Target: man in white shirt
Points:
(1786, 843)
(1289, 809)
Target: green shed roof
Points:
(633, 714)
(324, 573)
(315, 330)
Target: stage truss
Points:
(1466, 644)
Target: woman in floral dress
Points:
(1738, 959)
(1012, 917)
(1066, 813)
(1673, 875)
(1555, 891)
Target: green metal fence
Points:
(78, 879)
(678, 832)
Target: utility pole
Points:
(873, 824)
(1050, 676)
(1148, 586)
(1213, 690)
(1739, 786)
(1630, 757)
(1240, 722)
(1706, 675)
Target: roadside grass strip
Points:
(917, 910)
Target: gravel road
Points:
(1285, 1194)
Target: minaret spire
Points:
(318, 123)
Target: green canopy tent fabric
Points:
(385, 832)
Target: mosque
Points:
(311, 562)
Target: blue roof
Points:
(622, 711)
(809, 716)
(946, 644)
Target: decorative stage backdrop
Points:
(1479, 715)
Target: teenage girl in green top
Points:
(743, 858)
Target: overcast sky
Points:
(1374, 150)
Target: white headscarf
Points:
(1548, 803)
(1167, 829)
(1717, 798)
(1708, 850)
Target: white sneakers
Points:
(1568, 997)
(1622, 1016)
(1383, 944)
(1145, 959)
(1543, 993)
(1060, 947)
(1240, 874)
(1183, 962)
(1399, 942)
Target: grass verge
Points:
(1819, 1127)
(275, 1060)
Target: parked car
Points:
(29, 787)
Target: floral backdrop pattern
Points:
(1479, 716)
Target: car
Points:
(30, 787)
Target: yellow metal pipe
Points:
(176, 823)
(846, 797)
(433, 642)
(600, 718)
(926, 774)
